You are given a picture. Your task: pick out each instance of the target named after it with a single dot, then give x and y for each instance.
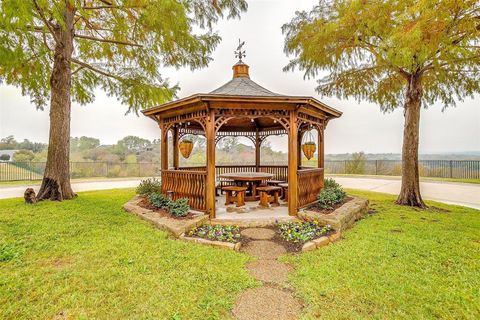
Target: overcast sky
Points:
(361, 128)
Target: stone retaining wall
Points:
(177, 227)
(342, 218)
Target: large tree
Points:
(396, 53)
(59, 51)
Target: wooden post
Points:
(321, 148)
(163, 147)
(299, 148)
(176, 159)
(293, 164)
(258, 145)
(210, 185)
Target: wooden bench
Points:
(239, 197)
(223, 183)
(284, 187)
(276, 183)
(269, 195)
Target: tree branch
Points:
(44, 19)
(92, 68)
(108, 40)
(77, 70)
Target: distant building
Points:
(8, 153)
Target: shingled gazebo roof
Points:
(242, 92)
(242, 85)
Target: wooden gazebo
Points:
(241, 107)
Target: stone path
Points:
(273, 300)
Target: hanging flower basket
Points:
(185, 147)
(309, 149)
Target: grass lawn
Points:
(87, 258)
(398, 263)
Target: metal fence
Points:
(453, 169)
(14, 171)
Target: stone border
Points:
(321, 242)
(176, 227)
(341, 218)
(219, 244)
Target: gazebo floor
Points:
(250, 215)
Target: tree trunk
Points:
(410, 191)
(56, 178)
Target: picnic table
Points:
(251, 180)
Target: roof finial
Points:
(239, 53)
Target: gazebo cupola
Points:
(241, 107)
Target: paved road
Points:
(17, 191)
(465, 194)
(454, 193)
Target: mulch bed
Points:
(145, 203)
(291, 247)
(328, 211)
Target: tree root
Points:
(50, 190)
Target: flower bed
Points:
(301, 232)
(216, 233)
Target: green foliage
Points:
(372, 49)
(331, 183)
(134, 144)
(83, 143)
(331, 194)
(178, 208)
(217, 233)
(119, 47)
(302, 231)
(9, 143)
(149, 186)
(4, 157)
(90, 241)
(23, 156)
(159, 200)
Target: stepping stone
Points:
(263, 249)
(258, 233)
(269, 271)
(266, 303)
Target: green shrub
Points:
(178, 208)
(159, 201)
(302, 231)
(149, 186)
(331, 194)
(217, 232)
(330, 183)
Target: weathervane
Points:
(239, 53)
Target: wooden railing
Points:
(279, 172)
(197, 168)
(310, 182)
(190, 182)
(186, 184)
